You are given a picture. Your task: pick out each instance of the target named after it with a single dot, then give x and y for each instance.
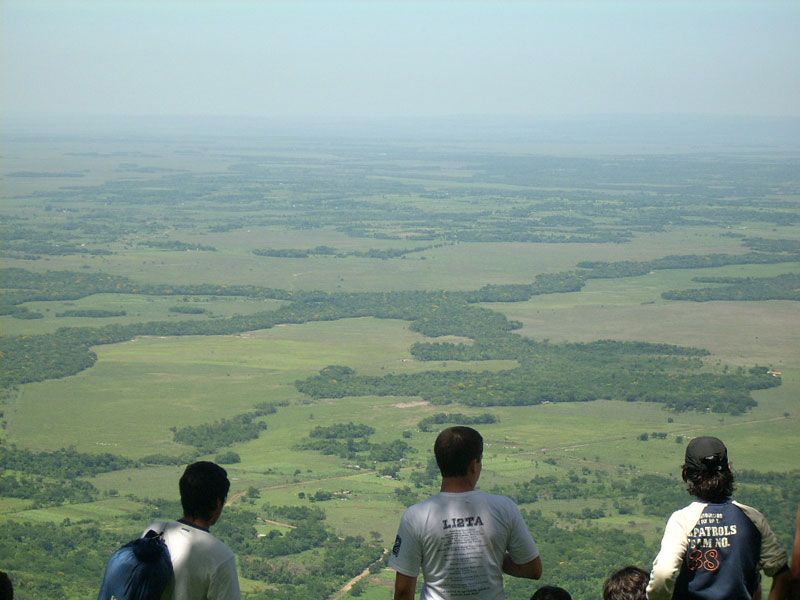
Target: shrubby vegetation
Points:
(351, 441)
(317, 576)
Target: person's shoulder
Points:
(161, 526)
(692, 508)
(496, 498)
(497, 501)
(745, 507)
(755, 515)
(423, 505)
(221, 548)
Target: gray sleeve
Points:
(773, 557)
(406, 555)
(522, 547)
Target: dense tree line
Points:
(772, 245)
(342, 431)
(176, 246)
(552, 378)
(22, 285)
(780, 287)
(383, 254)
(630, 268)
(47, 492)
(438, 419)
(94, 313)
(187, 310)
(65, 463)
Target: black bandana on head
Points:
(706, 454)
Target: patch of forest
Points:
(78, 552)
(630, 268)
(210, 437)
(176, 246)
(93, 313)
(633, 371)
(556, 200)
(780, 287)
(351, 441)
(381, 253)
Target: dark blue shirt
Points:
(721, 561)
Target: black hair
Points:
(709, 485)
(455, 448)
(6, 587)
(551, 592)
(203, 486)
(629, 583)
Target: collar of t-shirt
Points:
(185, 522)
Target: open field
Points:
(471, 213)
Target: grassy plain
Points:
(137, 390)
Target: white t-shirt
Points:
(205, 568)
(458, 541)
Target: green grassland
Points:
(137, 390)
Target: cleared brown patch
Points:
(411, 404)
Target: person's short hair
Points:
(202, 486)
(455, 448)
(629, 583)
(706, 471)
(551, 592)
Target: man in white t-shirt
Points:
(462, 540)
(204, 567)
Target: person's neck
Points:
(199, 523)
(456, 485)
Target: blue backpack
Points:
(140, 570)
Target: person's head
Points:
(551, 592)
(6, 588)
(629, 583)
(706, 471)
(455, 448)
(204, 487)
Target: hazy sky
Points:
(380, 58)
